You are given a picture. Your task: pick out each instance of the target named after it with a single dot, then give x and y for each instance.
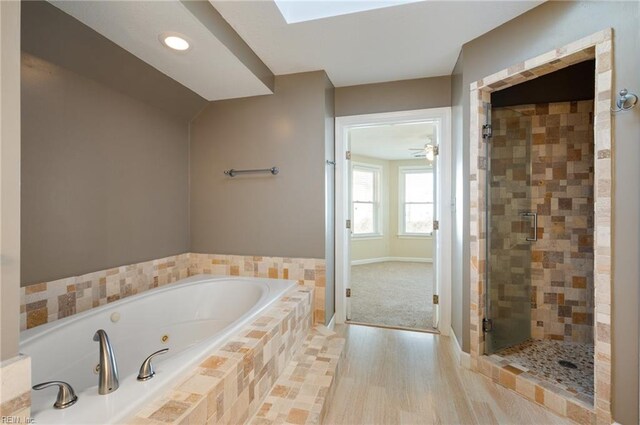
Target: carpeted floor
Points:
(393, 294)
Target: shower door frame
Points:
(597, 46)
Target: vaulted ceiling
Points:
(237, 46)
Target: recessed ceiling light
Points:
(175, 41)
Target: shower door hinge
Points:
(436, 225)
(348, 292)
(347, 155)
(348, 224)
(487, 325)
(487, 132)
(436, 299)
(436, 150)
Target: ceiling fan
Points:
(428, 151)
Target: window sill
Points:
(365, 237)
(405, 236)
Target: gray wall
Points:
(51, 34)
(104, 176)
(459, 215)
(330, 198)
(544, 28)
(281, 215)
(405, 95)
(9, 178)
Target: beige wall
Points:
(551, 25)
(9, 179)
(405, 95)
(281, 215)
(389, 244)
(104, 176)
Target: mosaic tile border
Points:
(229, 386)
(598, 46)
(303, 391)
(518, 379)
(541, 358)
(15, 389)
(49, 301)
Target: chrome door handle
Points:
(535, 225)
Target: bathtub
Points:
(192, 317)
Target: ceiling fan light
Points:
(429, 153)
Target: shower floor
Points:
(541, 359)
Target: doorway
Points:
(393, 208)
(564, 402)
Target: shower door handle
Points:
(535, 225)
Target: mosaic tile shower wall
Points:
(561, 178)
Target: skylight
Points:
(295, 11)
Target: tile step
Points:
(301, 393)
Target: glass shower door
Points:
(511, 229)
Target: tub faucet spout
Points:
(108, 373)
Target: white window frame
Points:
(402, 171)
(377, 203)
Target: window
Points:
(366, 200)
(416, 201)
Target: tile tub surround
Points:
(307, 271)
(305, 388)
(600, 47)
(230, 384)
(556, 182)
(15, 388)
(49, 301)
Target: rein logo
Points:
(17, 420)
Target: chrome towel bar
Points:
(233, 173)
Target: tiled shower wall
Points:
(561, 175)
(48, 301)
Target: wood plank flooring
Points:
(402, 377)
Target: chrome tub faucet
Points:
(108, 373)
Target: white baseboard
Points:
(464, 359)
(332, 323)
(384, 259)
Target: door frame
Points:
(442, 240)
(597, 46)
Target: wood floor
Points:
(402, 377)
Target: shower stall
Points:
(540, 220)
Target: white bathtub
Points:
(198, 314)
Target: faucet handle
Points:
(146, 370)
(66, 396)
